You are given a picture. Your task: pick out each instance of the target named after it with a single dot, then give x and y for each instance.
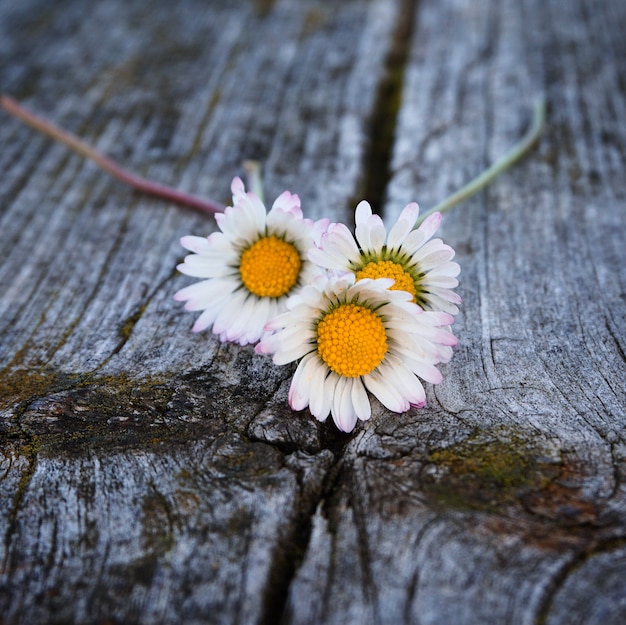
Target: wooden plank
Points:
(504, 501)
(153, 475)
(137, 484)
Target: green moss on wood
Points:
(488, 470)
(26, 383)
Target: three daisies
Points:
(369, 312)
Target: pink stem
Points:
(110, 166)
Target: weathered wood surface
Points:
(150, 475)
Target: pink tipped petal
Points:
(403, 226)
(437, 318)
(264, 347)
(238, 189)
(320, 228)
(410, 213)
(430, 225)
(288, 203)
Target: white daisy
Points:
(418, 264)
(251, 267)
(350, 336)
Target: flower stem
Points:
(510, 158)
(110, 166)
(254, 180)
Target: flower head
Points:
(350, 336)
(418, 264)
(251, 267)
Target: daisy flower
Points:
(256, 261)
(351, 337)
(418, 264)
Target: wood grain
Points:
(150, 475)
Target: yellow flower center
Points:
(270, 267)
(351, 340)
(389, 269)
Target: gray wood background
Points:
(149, 475)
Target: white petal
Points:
(449, 269)
(362, 231)
(432, 253)
(198, 290)
(319, 403)
(244, 222)
(207, 301)
(199, 267)
(338, 240)
(342, 409)
(404, 380)
(363, 212)
(437, 279)
(206, 319)
(254, 210)
(378, 234)
(230, 312)
(195, 244)
(445, 354)
(371, 234)
(443, 299)
(386, 393)
(328, 259)
(285, 356)
(360, 400)
(424, 369)
(301, 382)
(328, 395)
(247, 326)
(293, 335)
(374, 289)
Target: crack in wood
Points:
(30, 451)
(383, 122)
(578, 558)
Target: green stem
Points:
(137, 182)
(509, 159)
